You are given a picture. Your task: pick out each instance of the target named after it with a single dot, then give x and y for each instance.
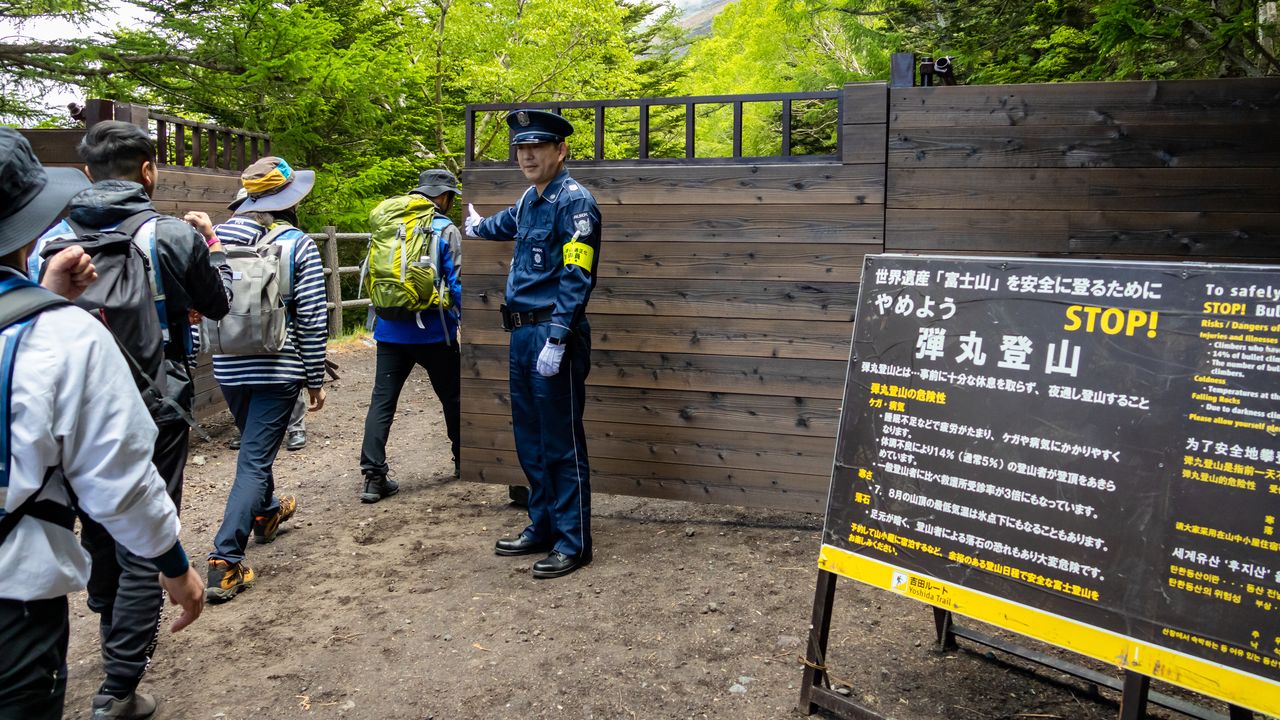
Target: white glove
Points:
(473, 220)
(549, 359)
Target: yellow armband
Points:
(580, 254)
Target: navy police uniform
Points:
(553, 271)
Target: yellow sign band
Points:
(580, 254)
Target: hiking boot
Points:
(378, 486)
(225, 580)
(296, 440)
(265, 528)
(234, 444)
(137, 706)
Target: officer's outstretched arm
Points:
(499, 226)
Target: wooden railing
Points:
(664, 115)
(328, 241)
(182, 142)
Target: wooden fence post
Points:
(334, 280)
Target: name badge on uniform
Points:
(539, 257)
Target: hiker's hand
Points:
(69, 273)
(194, 317)
(473, 220)
(187, 591)
(549, 359)
(200, 221)
(316, 398)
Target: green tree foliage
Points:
(368, 91)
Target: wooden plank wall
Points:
(178, 190)
(721, 321)
(1169, 169)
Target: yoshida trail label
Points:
(1091, 443)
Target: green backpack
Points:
(402, 274)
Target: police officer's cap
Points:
(537, 126)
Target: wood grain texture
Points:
(1199, 102)
(1122, 189)
(856, 224)
(863, 143)
(785, 491)
(1086, 146)
(55, 147)
(817, 417)
(865, 102)
(783, 377)
(808, 262)
(790, 183)
(679, 445)
(694, 335)
(710, 299)
(1176, 234)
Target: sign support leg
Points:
(815, 653)
(942, 624)
(1239, 713)
(1133, 699)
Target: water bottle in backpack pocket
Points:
(262, 291)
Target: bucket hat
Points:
(272, 185)
(31, 195)
(436, 182)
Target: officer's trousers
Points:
(546, 414)
(124, 589)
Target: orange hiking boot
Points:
(226, 579)
(265, 528)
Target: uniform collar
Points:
(556, 186)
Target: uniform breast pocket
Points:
(532, 251)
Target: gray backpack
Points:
(262, 293)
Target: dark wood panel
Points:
(863, 143)
(780, 338)
(791, 183)
(217, 211)
(767, 452)
(808, 262)
(55, 147)
(738, 223)
(1083, 146)
(1192, 102)
(796, 301)
(865, 102)
(1127, 189)
(816, 417)
(782, 377)
(806, 493)
(179, 185)
(1200, 234)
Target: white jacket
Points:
(75, 406)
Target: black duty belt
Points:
(512, 319)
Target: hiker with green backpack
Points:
(411, 275)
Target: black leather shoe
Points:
(296, 441)
(234, 444)
(523, 545)
(557, 564)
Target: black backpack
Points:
(124, 298)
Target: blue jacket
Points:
(428, 329)
(550, 268)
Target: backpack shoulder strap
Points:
(20, 302)
(145, 239)
(286, 236)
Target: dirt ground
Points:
(401, 609)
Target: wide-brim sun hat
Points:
(273, 186)
(241, 196)
(436, 182)
(31, 196)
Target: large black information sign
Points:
(1082, 452)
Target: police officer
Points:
(556, 228)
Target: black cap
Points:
(537, 126)
(436, 182)
(31, 195)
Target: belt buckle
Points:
(517, 319)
